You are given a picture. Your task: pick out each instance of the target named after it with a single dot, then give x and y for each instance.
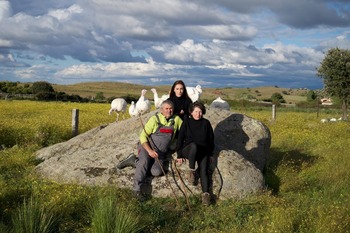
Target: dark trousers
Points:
(199, 154)
(146, 166)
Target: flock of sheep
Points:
(143, 104)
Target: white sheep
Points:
(118, 105)
(194, 92)
(143, 105)
(132, 110)
(220, 103)
(158, 101)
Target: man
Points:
(155, 141)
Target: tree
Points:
(311, 96)
(277, 98)
(43, 91)
(335, 72)
(99, 97)
(38, 87)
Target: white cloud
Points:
(65, 14)
(111, 70)
(202, 41)
(5, 10)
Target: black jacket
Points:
(181, 103)
(197, 131)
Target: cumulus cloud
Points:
(5, 9)
(209, 42)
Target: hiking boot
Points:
(206, 199)
(128, 162)
(193, 177)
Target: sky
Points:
(221, 43)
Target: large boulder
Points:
(242, 147)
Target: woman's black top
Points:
(197, 131)
(181, 103)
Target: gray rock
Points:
(242, 148)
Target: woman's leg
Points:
(203, 172)
(190, 152)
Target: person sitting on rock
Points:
(178, 95)
(154, 150)
(195, 142)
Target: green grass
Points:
(31, 217)
(307, 179)
(111, 216)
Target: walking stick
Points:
(183, 185)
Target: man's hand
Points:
(149, 150)
(153, 154)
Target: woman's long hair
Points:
(172, 92)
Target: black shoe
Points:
(139, 196)
(128, 162)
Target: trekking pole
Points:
(183, 185)
(159, 163)
(219, 173)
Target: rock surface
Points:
(242, 148)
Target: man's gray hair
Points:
(169, 102)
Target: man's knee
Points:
(156, 171)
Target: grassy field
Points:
(307, 180)
(116, 89)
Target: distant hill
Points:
(117, 89)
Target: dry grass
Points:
(116, 89)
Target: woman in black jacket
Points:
(196, 143)
(178, 95)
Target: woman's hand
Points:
(180, 161)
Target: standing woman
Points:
(196, 143)
(178, 95)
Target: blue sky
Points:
(222, 43)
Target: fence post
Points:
(75, 122)
(273, 112)
(318, 106)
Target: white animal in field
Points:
(220, 103)
(324, 120)
(158, 100)
(118, 105)
(143, 105)
(194, 92)
(132, 110)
